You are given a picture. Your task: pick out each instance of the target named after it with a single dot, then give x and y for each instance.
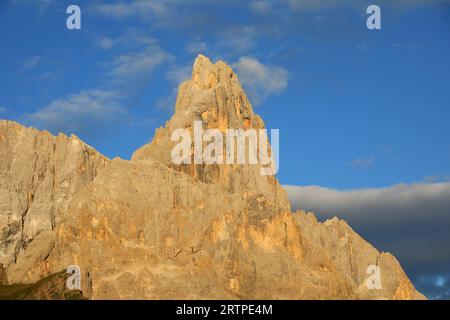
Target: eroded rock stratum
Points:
(149, 229)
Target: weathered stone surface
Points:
(147, 229)
(3, 275)
(215, 97)
(52, 287)
(333, 245)
(39, 174)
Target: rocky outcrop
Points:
(52, 287)
(39, 175)
(3, 275)
(150, 229)
(215, 97)
(333, 245)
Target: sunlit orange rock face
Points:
(150, 229)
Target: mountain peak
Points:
(154, 229)
(206, 74)
(213, 96)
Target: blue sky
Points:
(355, 108)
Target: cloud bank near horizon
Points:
(412, 221)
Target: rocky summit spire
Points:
(214, 97)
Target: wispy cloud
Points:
(30, 63)
(260, 80)
(47, 76)
(260, 6)
(99, 109)
(127, 9)
(85, 113)
(136, 55)
(131, 39)
(105, 42)
(199, 17)
(230, 43)
(41, 5)
(3, 110)
(316, 5)
(176, 75)
(138, 63)
(167, 102)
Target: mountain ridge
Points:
(149, 229)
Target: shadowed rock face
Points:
(52, 287)
(149, 229)
(3, 275)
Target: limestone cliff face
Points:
(52, 287)
(215, 97)
(39, 175)
(3, 275)
(149, 229)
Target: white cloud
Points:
(310, 4)
(238, 39)
(138, 63)
(100, 110)
(47, 76)
(168, 102)
(3, 110)
(132, 39)
(264, 6)
(178, 75)
(105, 42)
(260, 6)
(84, 113)
(122, 10)
(41, 5)
(30, 63)
(259, 80)
(410, 200)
